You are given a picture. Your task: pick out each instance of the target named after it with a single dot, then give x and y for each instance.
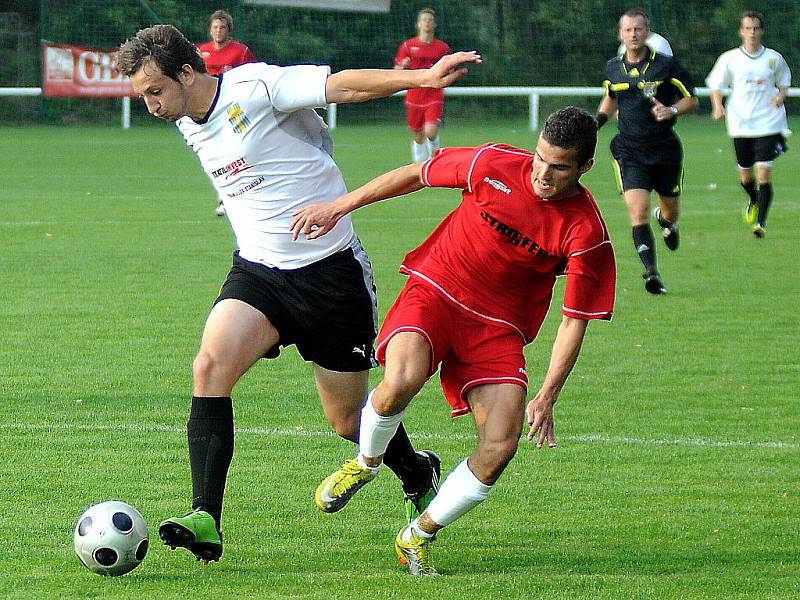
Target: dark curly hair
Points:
(572, 127)
(165, 46)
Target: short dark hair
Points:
(222, 16)
(752, 14)
(164, 45)
(572, 128)
(636, 12)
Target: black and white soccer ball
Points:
(111, 538)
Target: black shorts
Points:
(758, 149)
(649, 166)
(327, 309)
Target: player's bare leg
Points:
(236, 335)
(342, 396)
(638, 203)
(498, 412)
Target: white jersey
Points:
(268, 153)
(656, 42)
(754, 80)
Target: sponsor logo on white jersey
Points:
(231, 169)
(498, 185)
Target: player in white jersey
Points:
(268, 154)
(759, 79)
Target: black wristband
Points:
(601, 119)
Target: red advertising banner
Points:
(83, 72)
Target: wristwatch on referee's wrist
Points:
(673, 110)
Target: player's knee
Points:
(206, 369)
(346, 427)
(494, 457)
(395, 394)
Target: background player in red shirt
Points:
(479, 288)
(423, 106)
(223, 53)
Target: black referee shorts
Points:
(327, 309)
(655, 165)
(750, 151)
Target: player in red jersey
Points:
(423, 106)
(223, 53)
(479, 288)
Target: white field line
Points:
(299, 432)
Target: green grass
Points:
(677, 471)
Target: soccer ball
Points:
(111, 538)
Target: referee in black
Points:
(649, 90)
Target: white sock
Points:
(415, 529)
(376, 431)
(433, 145)
(460, 493)
(419, 152)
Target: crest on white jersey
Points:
(238, 118)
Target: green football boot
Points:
(750, 213)
(336, 490)
(416, 503)
(196, 531)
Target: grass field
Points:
(678, 469)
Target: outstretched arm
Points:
(565, 352)
(316, 220)
(359, 85)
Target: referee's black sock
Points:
(210, 435)
(764, 201)
(752, 191)
(405, 463)
(644, 243)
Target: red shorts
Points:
(419, 116)
(471, 350)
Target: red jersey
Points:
(499, 252)
(422, 55)
(230, 55)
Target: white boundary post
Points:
(126, 112)
(533, 112)
(332, 115)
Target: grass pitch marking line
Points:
(300, 432)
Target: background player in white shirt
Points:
(268, 154)
(759, 79)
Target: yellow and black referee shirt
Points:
(633, 84)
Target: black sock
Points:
(405, 463)
(210, 435)
(645, 246)
(764, 200)
(752, 192)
